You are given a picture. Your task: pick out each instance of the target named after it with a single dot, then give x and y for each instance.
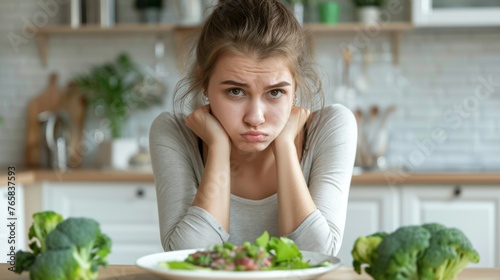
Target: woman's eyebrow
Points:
(280, 84)
(234, 83)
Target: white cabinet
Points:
(473, 209)
(370, 209)
(127, 212)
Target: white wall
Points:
(442, 69)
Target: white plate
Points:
(150, 262)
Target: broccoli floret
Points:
(431, 264)
(74, 250)
(398, 254)
(43, 224)
(24, 261)
(448, 253)
(84, 237)
(365, 250)
(55, 265)
(428, 252)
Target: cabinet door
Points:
(127, 213)
(473, 209)
(370, 209)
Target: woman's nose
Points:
(255, 113)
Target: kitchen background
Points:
(433, 88)
(444, 88)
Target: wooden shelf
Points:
(353, 27)
(393, 29)
(161, 28)
(182, 34)
(96, 29)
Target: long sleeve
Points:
(176, 168)
(327, 166)
(332, 148)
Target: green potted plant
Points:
(110, 90)
(368, 11)
(114, 91)
(149, 10)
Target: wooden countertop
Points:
(370, 178)
(344, 273)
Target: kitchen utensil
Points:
(362, 82)
(363, 155)
(49, 100)
(68, 104)
(56, 135)
(345, 94)
(74, 104)
(151, 87)
(359, 120)
(378, 144)
(141, 161)
(370, 126)
(372, 137)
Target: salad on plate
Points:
(266, 253)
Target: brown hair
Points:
(260, 28)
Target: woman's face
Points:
(252, 99)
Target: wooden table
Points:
(131, 272)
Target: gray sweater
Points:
(327, 165)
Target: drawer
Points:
(108, 203)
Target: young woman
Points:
(251, 159)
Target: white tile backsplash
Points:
(440, 68)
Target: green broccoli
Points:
(398, 254)
(75, 249)
(365, 248)
(448, 253)
(428, 252)
(43, 224)
(55, 264)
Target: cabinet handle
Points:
(140, 193)
(458, 191)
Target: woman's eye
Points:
(235, 92)
(276, 93)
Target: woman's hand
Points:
(295, 124)
(207, 127)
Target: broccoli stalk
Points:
(449, 252)
(365, 250)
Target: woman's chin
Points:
(252, 147)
